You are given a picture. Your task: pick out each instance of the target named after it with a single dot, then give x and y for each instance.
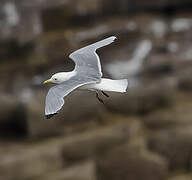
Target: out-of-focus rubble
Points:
(142, 134)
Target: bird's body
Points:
(104, 85)
(107, 85)
(86, 75)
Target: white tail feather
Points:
(109, 85)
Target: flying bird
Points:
(87, 75)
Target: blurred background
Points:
(145, 134)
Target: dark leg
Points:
(100, 100)
(105, 93)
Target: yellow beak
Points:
(47, 81)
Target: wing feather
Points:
(88, 70)
(55, 97)
(87, 60)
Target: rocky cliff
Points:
(143, 134)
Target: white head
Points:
(59, 77)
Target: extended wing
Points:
(88, 70)
(87, 61)
(54, 99)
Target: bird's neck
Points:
(66, 75)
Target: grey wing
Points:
(54, 99)
(87, 61)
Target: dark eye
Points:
(55, 79)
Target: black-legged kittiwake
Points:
(86, 75)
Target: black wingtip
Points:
(50, 115)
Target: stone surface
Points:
(176, 139)
(22, 162)
(125, 163)
(184, 80)
(13, 120)
(181, 177)
(123, 6)
(82, 171)
(36, 159)
(141, 100)
(179, 115)
(62, 13)
(167, 119)
(107, 138)
(155, 114)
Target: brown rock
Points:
(36, 159)
(13, 120)
(181, 177)
(122, 6)
(99, 141)
(185, 80)
(51, 17)
(142, 100)
(174, 144)
(37, 124)
(81, 171)
(162, 66)
(124, 163)
(165, 119)
(69, 14)
(22, 162)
